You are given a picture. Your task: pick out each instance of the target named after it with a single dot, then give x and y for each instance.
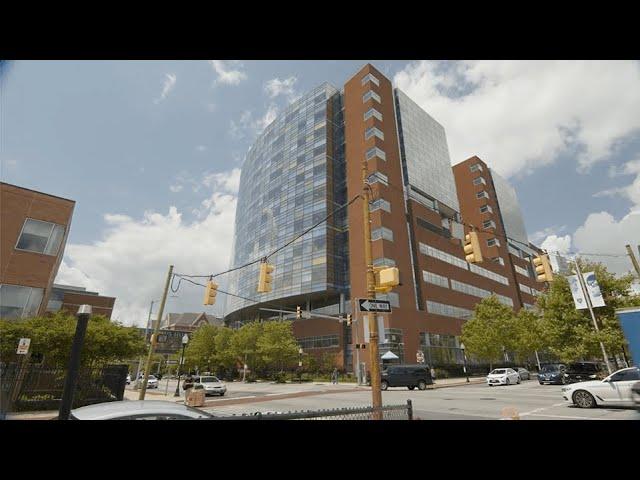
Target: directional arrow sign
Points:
(368, 305)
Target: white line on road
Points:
(564, 416)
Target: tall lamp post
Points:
(185, 340)
(464, 362)
(300, 352)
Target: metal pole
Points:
(464, 364)
(358, 372)
(143, 391)
(633, 260)
(84, 312)
(376, 392)
(177, 394)
(146, 338)
(593, 317)
(538, 360)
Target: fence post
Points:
(409, 409)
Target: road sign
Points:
(367, 305)
(23, 346)
(420, 356)
(172, 362)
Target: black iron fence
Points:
(31, 387)
(389, 412)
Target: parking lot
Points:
(529, 400)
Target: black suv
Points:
(584, 371)
(553, 373)
(410, 376)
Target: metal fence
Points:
(389, 412)
(31, 387)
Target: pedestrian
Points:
(187, 384)
(334, 376)
(433, 374)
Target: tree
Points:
(201, 349)
(244, 345)
(52, 337)
(490, 331)
(277, 346)
(570, 333)
(529, 334)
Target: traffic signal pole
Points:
(376, 392)
(154, 336)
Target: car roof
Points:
(125, 408)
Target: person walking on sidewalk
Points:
(433, 374)
(334, 376)
(187, 384)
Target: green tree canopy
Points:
(277, 345)
(52, 336)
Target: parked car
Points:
(138, 410)
(614, 390)
(152, 382)
(410, 376)
(552, 374)
(502, 376)
(524, 373)
(211, 385)
(635, 395)
(128, 379)
(584, 371)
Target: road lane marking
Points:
(564, 416)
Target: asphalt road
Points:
(530, 400)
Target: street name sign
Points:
(23, 346)
(367, 305)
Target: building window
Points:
(371, 94)
(479, 180)
(376, 152)
(493, 242)
(435, 279)
(372, 112)
(443, 256)
(17, 301)
(525, 289)
(488, 224)
(488, 274)
(498, 260)
(40, 237)
(384, 262)
(382, 233)
(370, 78)
(448, 310)
(486, 209)
(476, 167)
(373, 132)
(376, 177)
(522, 271)
(380, 203)
(482, 194)
(469, 289)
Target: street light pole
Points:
(300, 364)
(146, 337)
(464, 361)
(84, 312)
(185, 340)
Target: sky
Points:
(151, 152)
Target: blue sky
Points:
(150, 151)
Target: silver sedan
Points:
(524, 373)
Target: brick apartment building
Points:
(69, 298)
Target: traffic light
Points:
(388, 278)
(543, 268)
(210, 293)
(264, 282)
(298, 312)
(349, 320)
(472, 248)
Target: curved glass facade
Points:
(292, 178)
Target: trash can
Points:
(195, 397)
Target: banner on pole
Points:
(576, 292)
(593, 289)
(630, 322)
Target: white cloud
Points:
(252, 127)
(276, 87)
(228, 182)
(226, 74)
(632, 191)
(169, 83)
(556, 244)
(130, 260)
(545, 232)
(519, 115)
(175, 188)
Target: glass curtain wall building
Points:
(292, 178)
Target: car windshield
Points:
(550, 368)
(152, 377)
(209, 380)
(499, 371)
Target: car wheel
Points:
(508, 381)
(422, 385)
(411, 387)
(583, 399)
(563, 380)
(491, 384)
(222, 394)
(518, 382)
(384, 385)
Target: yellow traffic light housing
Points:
(349, 320)
(298, 312)
(472, 251)
(210, 293)
(265, 280)
(544, 273)
(389, 277)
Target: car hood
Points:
(590, 383)
(497, 375)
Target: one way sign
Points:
(367, 305)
